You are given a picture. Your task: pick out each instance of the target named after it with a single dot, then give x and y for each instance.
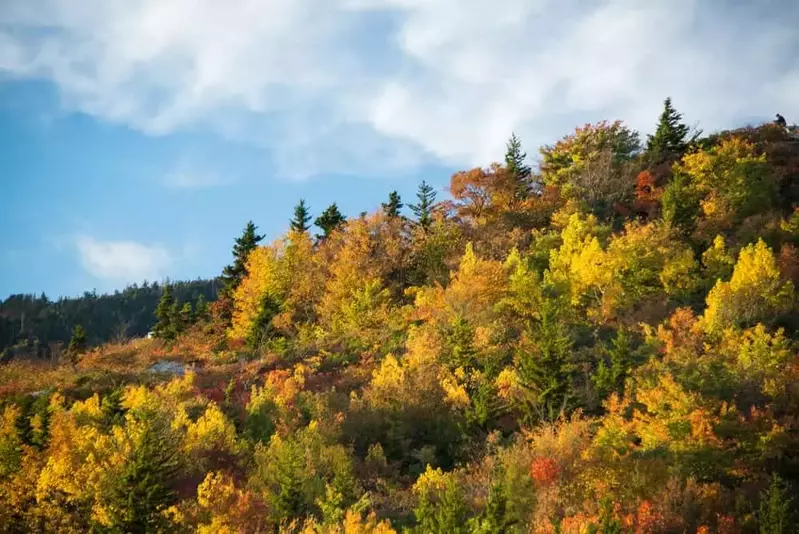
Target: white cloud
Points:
(123, 261)
(377, 86)
(185, 175)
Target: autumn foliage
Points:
(595, 345)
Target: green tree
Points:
(393, 206)
(446, 515)
(232, 275)
(302, 216)
(681, 203)
(200, 309)
(543, 367)
(424, 208)
(289, 499)
(671, 134)
(166, 326)
(143, 491)
(519, 171)
(329, 220)
(610, 377)
(77, 344)
(496, 518)
(774, 516)
(185, 316)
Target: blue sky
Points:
(138, 136)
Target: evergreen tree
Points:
(200, 309)
(545, 370)
(496, 518)
(289, 501)
(143, 491)
(232, 275)
(302, 216)
(185, 316)
(393, 206)
(671, 134)
(519, 171)
(166, 327)
(611, 378)
(424, 208)
(77, 344)
(774, 516)
(329, 220)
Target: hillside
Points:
(604, 342)
(35, 326)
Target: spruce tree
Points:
(671, 134)
(77, 344)
(232, 275)
(519, 171)
(143, 490)
(545, 370)
(200, 309)
(329, 220)
(302, 216)
(185, 316)
(393, 206)
(424, 208)
(774, 515)
(166, 327)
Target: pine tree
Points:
(185, 316)
(329, 220)
(424, 208)
(671, 134)
(774, 516)
(393, 206)
(302, 216)
(232, 275)
(545, 370)
(143, 490)
(519, 171)
(611, 378)
(289, 501)
(77, 344)
(200, 309)
(166, 327)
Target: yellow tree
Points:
(756, 292)
(731, 178)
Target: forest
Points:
(36, 327)
(601, 339)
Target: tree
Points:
(774, 516)
(200, 309)
(424, 208)
(670, 135)
(186, 316)
(519, 171)
(77, 344)
(166, 327)
(755, 293)
(681, 203)
(330, 219)
(302, 216)
(393, 206)
(143, 491)
(544, 369)
(232, 275)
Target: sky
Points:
(137, 137)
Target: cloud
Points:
(382, 86)
(123, 261)
(187, 176)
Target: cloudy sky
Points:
(139, 136)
